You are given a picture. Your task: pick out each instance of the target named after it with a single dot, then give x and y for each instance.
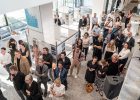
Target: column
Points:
(40, 23)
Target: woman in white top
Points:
(57, 90)
(118, 21)
(110, 49)
(86, 42)
(123, 55)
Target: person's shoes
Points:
(8, 78)
(49, 79)
(69, 74)
(45, 94)
(75, 76)
(100, 93)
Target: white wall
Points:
(88, 3)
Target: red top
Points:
(129, 15)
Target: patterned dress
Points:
(37, 54)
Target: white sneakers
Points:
(71, 75)
(75, 76)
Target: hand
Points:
(78, 59)
(4, 66)
(2, 62)
(43, 74)
(28, 92)
(118, 37)
(37, 72)
(106, 38)
(120, 65)
(83, 24)
(99, 72)
(12, 77)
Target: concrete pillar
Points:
(41, 23)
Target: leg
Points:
(65, 84)
(93, 40)
(7, 68)
(103, 47)
(71, 68)
(39, 85)
(20, 93)
(78, 68)
(50, 74)
(46, 87)
(86, 51)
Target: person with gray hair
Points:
(126, 30)
(42, 75)
(116, 29)
(113, 65)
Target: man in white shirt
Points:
(111, 15)
(5, 59)
(87, 30)
(126, 30)
(108, 24)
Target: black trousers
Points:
(7, 68)
(85, 50)
(119, 48)
(65, 84)
(2, 96)
(126, 22)
(123, 61)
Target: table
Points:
(134, 26)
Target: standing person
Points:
(111, 15)
(123, 55)
(30, 88)
(25, 53)
(107, 37)
(66, 61)
(21, 63)
(5, 59)
(128, 17)
(88, 19)
(110, 49)
(119, 40)
(122, 14)
(86, 42)
(126, 30)
(94, 19)
(88, 31)
(25, 43)
(57, 21)
(57, 90)
(97, 52)
(117, 21)
(37, 53)
(61, 72)
(12, 45)
(80, 44)
(95, 33)
(108, 24)
(77, 58)
(48, 59)
(130, 40)
(42, 75)
(115, 30)
(100, 76)
(103, 19)
(18, 80)
(90, 73)
(102, 14)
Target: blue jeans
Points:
(101, 26)
(50, 74)
(94, 38)
(104, 45)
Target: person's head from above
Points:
(13, 69)
(112, 42)
(96, 26)
(103, 12)
(119, 14)
(94, 59)
(45, 50)
(60, 65)
(120, 32)
(126, 45)
(29, 79)
(17, 54)
(35, 47)
(130, 11)
(88, 27)
(79, 41)
(57, 82)
(94, 14)
(100, 39)
(22, 46)
(11, 41)
(110, 30)
(103, 62)
(112, 12)
(77, 49)
(87, 15)
(86, 35)
(40, 62)
(104, 15)
(20, 42)
(117, 19)
(122, 11)
(63, 54)
(109, 18)
(83, 17)
(115, 56)
(96, 22)
(117, 25)
(3, 50)
(128, 26)
(57, 16)
(54, 16)
(129, 34)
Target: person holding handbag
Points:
(31, 89)
(57, 90)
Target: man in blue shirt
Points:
(94, 19)
(115, 30)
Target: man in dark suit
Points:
(57, 21)
(119, 40)
(130, 40)
(82, 23)
(87, 19)
(42, 75)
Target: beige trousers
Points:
(72, 66)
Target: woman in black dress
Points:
(100, 76)
(80, 43)
(98, 48)
(30, 88)
(25, 53)
(12, 45)
(90, 73)
(113, 65)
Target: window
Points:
(4, 32)
(2, 21)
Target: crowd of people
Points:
(110, 54)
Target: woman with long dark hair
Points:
(128, 17)
(118, 21)
(80, 44)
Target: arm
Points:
(37, 73)
(27, 65)
(8, 46)
(16, 44)
(114, 49)
(27, 54)
(104, 73)
(65, 76)
(126, 54)
(82, 55)
(35, 90)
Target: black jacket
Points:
(104, 71)
(59, 22)
(119, 42)
(48, 58)
(106, 33)
(66, 64)
(81, 23)
(131, 42)
(86, 20)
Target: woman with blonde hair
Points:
(57, 90)
(110, 49)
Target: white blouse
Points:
(58, 90)
(124, 53)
